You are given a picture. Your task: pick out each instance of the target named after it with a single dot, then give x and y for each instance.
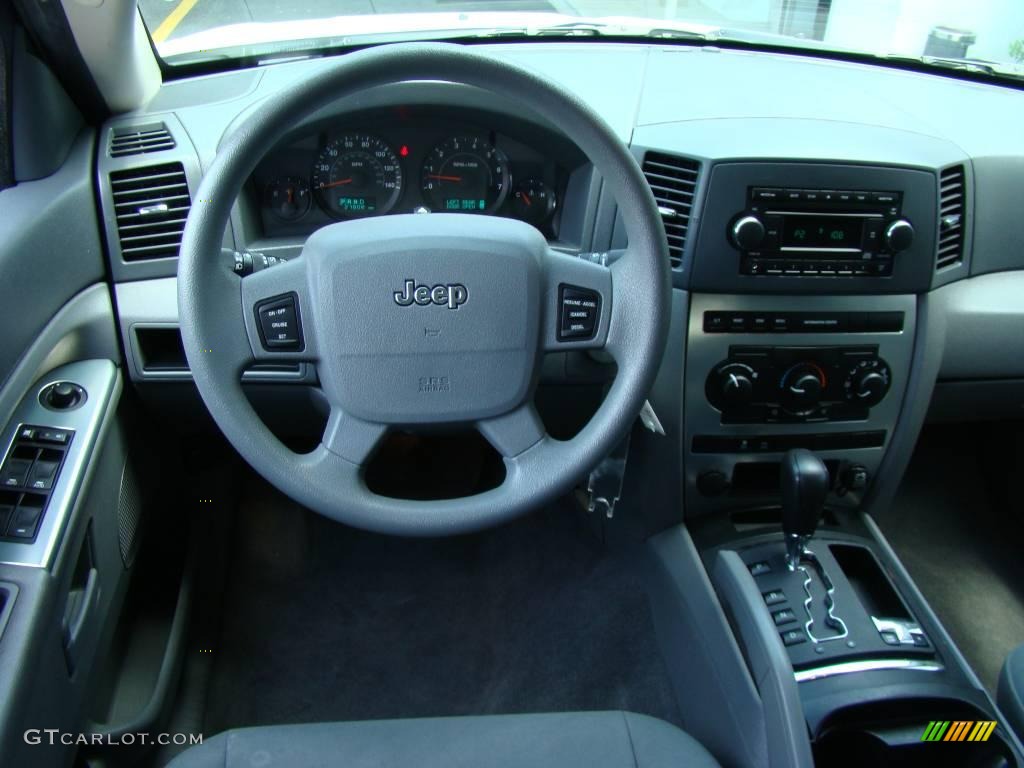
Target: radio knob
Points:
(802, 387)
(870, 387)
(899, 235)
(747, 233)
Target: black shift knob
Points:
(804, 480)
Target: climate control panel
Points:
(764, 385)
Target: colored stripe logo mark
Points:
(958, 730)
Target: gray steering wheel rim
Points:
(327, 483)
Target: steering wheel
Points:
(423, 319)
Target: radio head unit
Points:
(820, 232)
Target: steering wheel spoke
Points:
(350, 437)
(514, 432)
(277, 311)
(578, 302)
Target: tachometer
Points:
(357, 175)
(465, 174)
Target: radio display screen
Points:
(822, 232)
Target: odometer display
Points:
(465, 174)
(357, 175)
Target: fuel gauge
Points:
(533, 201)
(287, 198)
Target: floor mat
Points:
(325, 623)
(958, 531)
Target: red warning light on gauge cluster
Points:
(404, 151)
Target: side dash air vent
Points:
(151, 204)
(673, 181)
(140, 140)
(951, 217)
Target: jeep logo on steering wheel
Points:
(453, 295)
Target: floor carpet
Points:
(957, 525)
(325, 623)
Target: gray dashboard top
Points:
(638, 85)
(707, 103)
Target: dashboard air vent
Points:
(150, 204)
(951, 217)
(140, 139)
(673, 181)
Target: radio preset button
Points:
(766, 194)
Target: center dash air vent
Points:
(951, 217)
(140, 139)
(673, 181)
(151, 205)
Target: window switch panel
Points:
(28, 475)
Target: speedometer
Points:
(465, 174)
(357, 175)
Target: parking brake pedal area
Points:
(27, 476)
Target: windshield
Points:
(986, 35)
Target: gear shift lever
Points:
(804, 479)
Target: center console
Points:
(802, 330)
(765, 374)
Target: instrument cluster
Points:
(410, 160)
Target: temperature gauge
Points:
(287, 198)
(533, 201)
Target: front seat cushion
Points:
(584, 739)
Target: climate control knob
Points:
(899, 235)
(869, 388)
(802, 387)
(736, 384)
(747, 233)
(868, 383)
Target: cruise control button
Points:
(579, 310)
(279, 324)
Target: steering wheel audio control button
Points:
(578, 310)
(278, 319)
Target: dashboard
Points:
(413, 159)
(838, 263)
